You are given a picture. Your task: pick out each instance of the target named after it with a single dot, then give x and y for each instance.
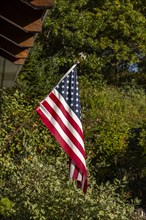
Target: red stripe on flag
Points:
(63, 126)
(66, 114)
(84, 187)
(76, 172)
(64, 145)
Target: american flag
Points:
(60, 112)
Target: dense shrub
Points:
(34, 170)
(39, 189)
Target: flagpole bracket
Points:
(82, 56)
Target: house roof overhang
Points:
(20, 21)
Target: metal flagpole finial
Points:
(82, 56)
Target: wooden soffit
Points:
(20, 21)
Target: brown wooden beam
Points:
(11, 58)
(21, 15)
(40, 3)
(13, 49)
(15, 34)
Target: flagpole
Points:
(16, 131)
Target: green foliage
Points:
(40, 190)
(110, 33)
(34, 169)
(6, 207)
(130, 78)
(109, 115)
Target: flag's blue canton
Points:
(68, 88)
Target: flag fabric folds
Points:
(60, 112)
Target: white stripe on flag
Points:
(83, 182)
(79, 178)
(64, 120)
(72, 114)
(63, 135)
(72, 170)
